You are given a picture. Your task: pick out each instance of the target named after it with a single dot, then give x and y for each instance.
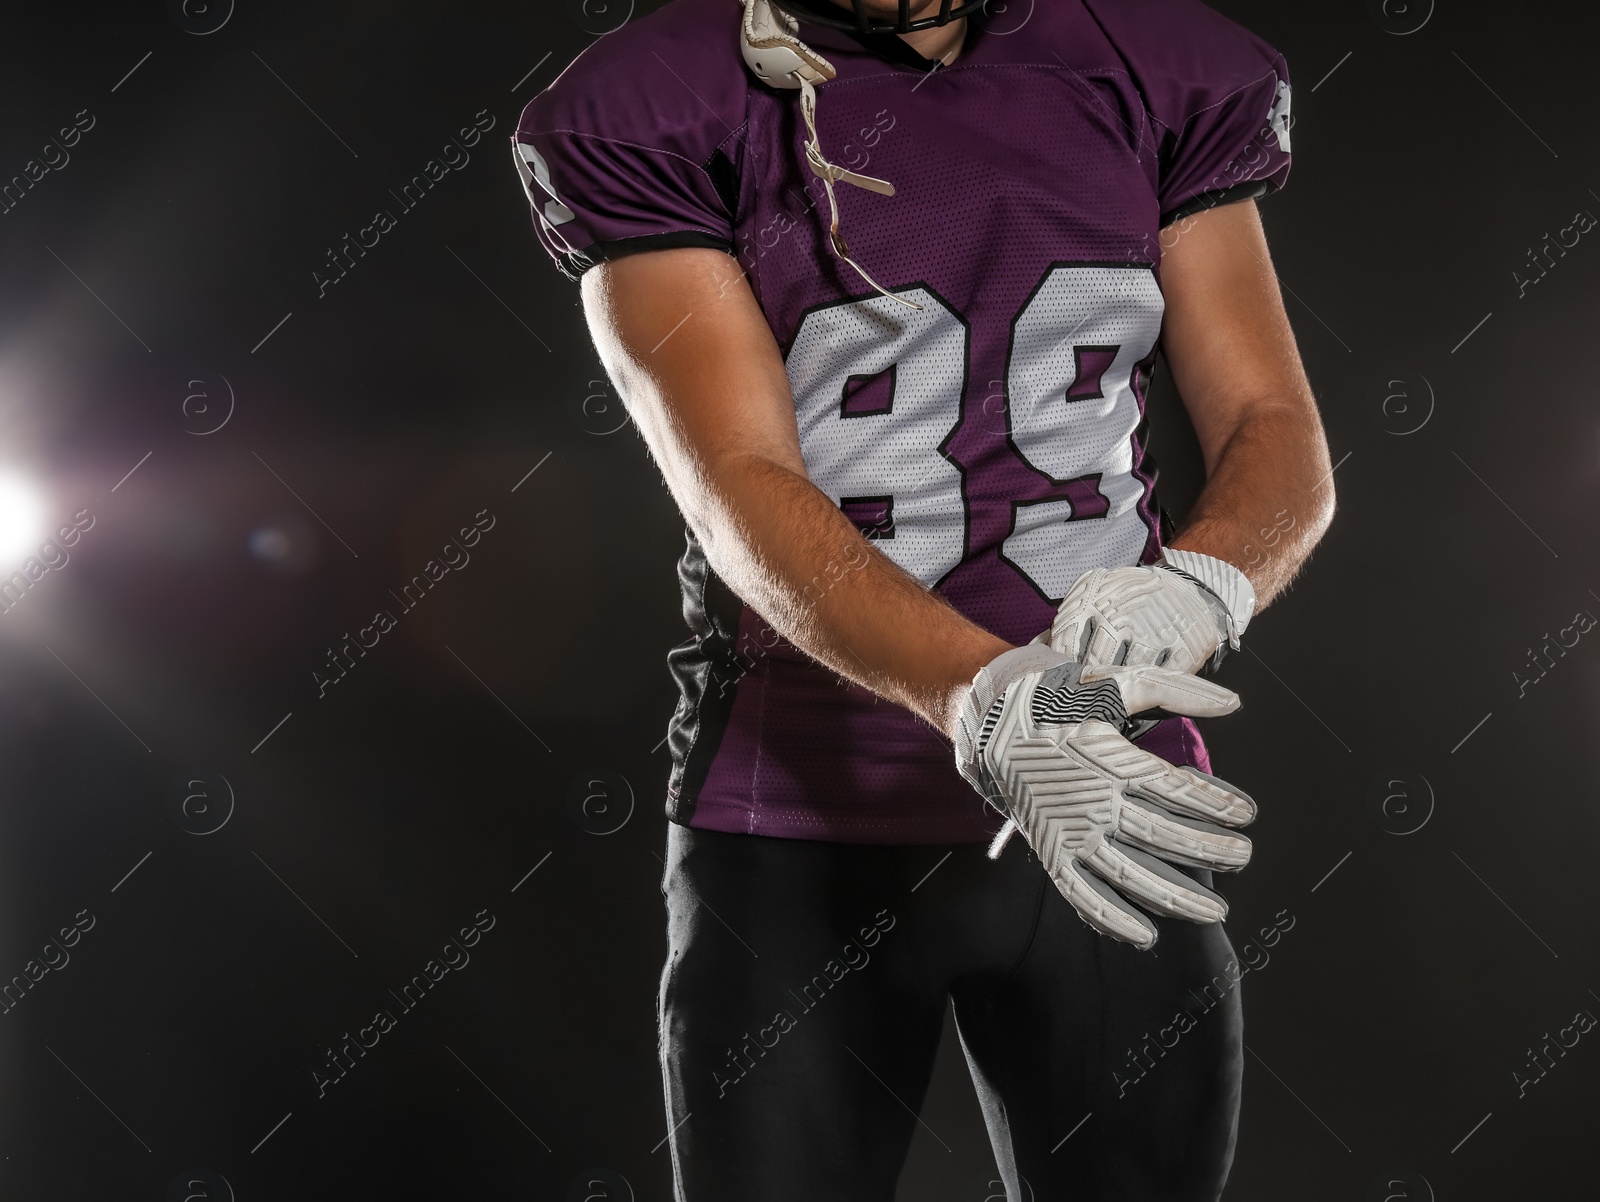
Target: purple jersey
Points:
(990, 443)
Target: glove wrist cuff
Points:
(991, 682)
(1223, 581)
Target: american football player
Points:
(882, 283)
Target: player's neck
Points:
(942, 43)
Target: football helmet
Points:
(820, 12)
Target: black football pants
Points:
(804, 994)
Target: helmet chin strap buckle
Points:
(778, 58)
(830, 174)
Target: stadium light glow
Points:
(21, 520)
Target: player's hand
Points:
(1183, 613)
(1039, 737)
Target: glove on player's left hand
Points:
(1182, 613)
(1039, 737)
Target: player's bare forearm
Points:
(684, 339)
(1267, 501)
(789, 552)
(1269, 493)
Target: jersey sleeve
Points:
(594, 199)
(1217, 97)
(1233, 146)
(619, 156)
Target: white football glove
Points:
(1183, 613)
(1039, 737)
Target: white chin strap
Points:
(778, 58)
(774, 53)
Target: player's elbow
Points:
(1323, 506)
(1323, 501)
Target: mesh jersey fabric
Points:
(989, 444)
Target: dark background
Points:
(143, 300)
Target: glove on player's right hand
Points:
(1040, 738)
